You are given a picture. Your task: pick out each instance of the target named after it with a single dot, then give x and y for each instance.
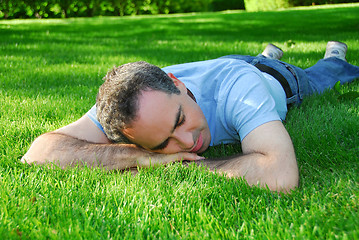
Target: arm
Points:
(83, 143)
(268, 159)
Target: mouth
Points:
(199, 144)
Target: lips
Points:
(199, 144)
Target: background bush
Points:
(317, 2)
(10, 9)
(265, 5)
(87, 8)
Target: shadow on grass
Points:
(67, 41)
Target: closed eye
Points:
(163, 145)
(182, 121)
(179, 122)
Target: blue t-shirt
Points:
(234, 96)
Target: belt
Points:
(279, 77)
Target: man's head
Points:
(139, 103)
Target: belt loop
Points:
(292, 100)
(254, 61)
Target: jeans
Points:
(303, 82)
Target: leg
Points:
(327, 72)
(332, 68)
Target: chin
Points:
(203, 149)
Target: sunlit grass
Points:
(50, 71)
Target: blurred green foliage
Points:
(265, 5)
(88, 8)
(10, 9)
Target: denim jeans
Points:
(303, 82)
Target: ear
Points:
(179, 84)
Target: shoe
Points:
(273, 52)
(336, 49)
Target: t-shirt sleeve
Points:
(92, 115)
(249, 104)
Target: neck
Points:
(189, 93)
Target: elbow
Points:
(287, 184)
(34, 153)
(285, 177)
(282, 183)
(40, 150)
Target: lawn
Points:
(50, 71)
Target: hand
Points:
(152, 159)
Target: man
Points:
(146, 115)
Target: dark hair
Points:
(117, 99)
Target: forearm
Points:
(275, 172)
(66, 151)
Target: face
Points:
(169, 123)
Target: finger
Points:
(190, 156)
(160, 158)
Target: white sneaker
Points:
(336, 49)
(273, 52)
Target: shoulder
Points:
(84, 129)
(247, 103)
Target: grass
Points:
(50, 71)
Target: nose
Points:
(184, 139)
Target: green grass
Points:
(50, 71)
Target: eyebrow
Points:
(176, 123)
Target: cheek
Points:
(197, 116)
